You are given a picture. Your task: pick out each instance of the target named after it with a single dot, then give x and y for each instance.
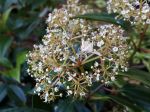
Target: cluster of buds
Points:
(75, 53)
(135, 11)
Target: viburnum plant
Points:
(135, 11)
(75, 53)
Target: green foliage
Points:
(22, 110)
(13, 91)
(138, 75)
(16, 94)
(108, 18)
(3, 92)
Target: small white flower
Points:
(40, 64)
(60, 94)
(144, 17)
(82, 94)
(69, 92)
(123, 12)
(112, 78)
(148, 21)
(100, 44)
(146, 9)
(68, 87)
(87, 46)
(46, 97)
(73, 58)
(74, 75)
(49, 81)
(28, 70)
(115, 49)
(58, 69)
(38, 89)
(70, 78)
(126, 69)
(97, 77)
(56, 89)
(49, 18)
(96, 64)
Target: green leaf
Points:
(25, 34)
(38, 103)
(17, 94)
(3, 91)
(105, 17)
(22, 110)
(4, 18)
(139, 75)
(147, 64)
(120, 82)
(137, 93)
(80, 107)
(5, 15)
(38, 3)
(5, 62)
(10, 3)
(13, 73)
(66, 106)
(21, 57)
(125, 102)
(99, 97)
(143, 55)
(8, 80)
(69, 105)
(4, 45)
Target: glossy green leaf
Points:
(4, 19)
(21, 57)
(139, 75)
(8, 80)
(3, 91)
(147, 64)
(80, 107)
(99, 97)
(105, 17)
(10, 3)
(13, 73)
(125, 102)
(120, 82)
(66, 106)
(17, 94)
(143, 55)
(25, 34)
(69, 105)
(5, 15)
(5, 62)
(22, 110)
(137, 93)
(96, 106)
(4, 45)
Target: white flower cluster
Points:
(75, 53)
(136, 11)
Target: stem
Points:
(91, 60)
(98, 88)
(138, 47)
(142, 36)
(77, 37)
